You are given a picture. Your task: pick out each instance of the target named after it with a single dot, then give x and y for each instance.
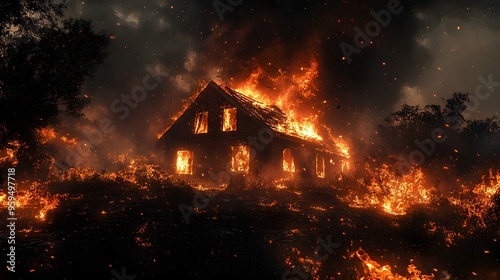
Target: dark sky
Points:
(428, 51)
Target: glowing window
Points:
(184, 163)
(288, 162)
(229, 119)
(345, 166)
(201, 123)
(240, 158)
(320, 166)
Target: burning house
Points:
(224, 130)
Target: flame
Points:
(342, 146)
(229, 119)
(34, 198)
(9, 153)
(288, 161)
(306, 264)
(302, 84)
(70, 141)
(395, 195)
(240, 158)
(184, 163)
(46, 134)
(375, 271)
(288, 91)
(201, 123)
(36, 202)
(479, 200)
(291, 90)
(139, 171)
(306, 80)
(320, 166)
(269, 204)
(49, 203)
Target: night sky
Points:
(425, 53)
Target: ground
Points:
(247, 232)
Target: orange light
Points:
(184, 163)
(392, 193)
(288, 161)
(374, 270)
(201, 123)
(229, 116)
(46, 135)
(320, 166)
(292, 88)
(240, 158)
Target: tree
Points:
(44, 60)
(467, 143)
(454, 109)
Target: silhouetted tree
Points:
(454, 109)
(468, 143)
(44, 60)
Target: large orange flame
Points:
(287, 93)
(392, 193)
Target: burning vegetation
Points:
(285, 185)
(375, 271)
(392, 193)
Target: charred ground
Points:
(249, 230)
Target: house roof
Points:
(269, 115)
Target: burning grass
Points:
(479, 201)
(375, 271)
(253, 228)
(390, 192)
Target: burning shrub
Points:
(480, 203)
(394, 194)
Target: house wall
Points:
(305, 160)
(212, 150)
